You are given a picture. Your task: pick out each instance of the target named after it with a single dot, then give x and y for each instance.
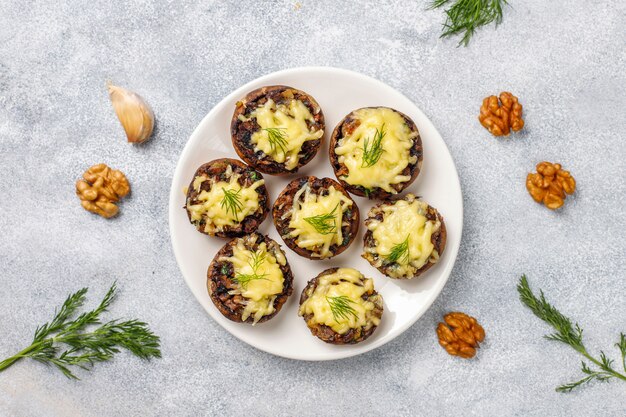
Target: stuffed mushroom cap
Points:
(277, 129)
(341, 306)
(226, 198)
(404, 238)
(249, 279)
(376, 152)
(316, 217)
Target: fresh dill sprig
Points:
(463, 17)
(85, 348)
(324, 224)
(232, 202)
(373, 151)
(277, 138)
(400, 252)
(255, 263)
(621, 345)
(571, 335)
(341, 308)
(591, 375)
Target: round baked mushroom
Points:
(376, 152)
(340, 306)
(404, 238)
(227, 198)
(316, 217)
(249, 279)
(277, 129)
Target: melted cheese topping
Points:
(345, 282)
(401, 221)
(396, 143)
(307, 236)
(261, 290)
(210, 206)
(291, 120)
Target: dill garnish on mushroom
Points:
(255, 262)
(372, 151)
(324, 224)
(400, 252)
(278, 139)
(231, 202)
(340, 307)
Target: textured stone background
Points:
(565, 60)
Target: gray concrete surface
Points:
(565, 60)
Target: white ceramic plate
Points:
(338, 92)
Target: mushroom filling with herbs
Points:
(226, 203)
(337, 301)
(403, 237)
(283, 130)
(378, 150)
(258, 277)
(316, 220)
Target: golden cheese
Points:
(289, 122)
(259, 278)
(345, 282)
(212, 208)
(316, 220)
(405, 221)
(396, 142)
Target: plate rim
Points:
(236, 93)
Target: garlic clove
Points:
(134, 113)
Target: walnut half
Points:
(550, 184)
(460, 335)
(499, 118)
(101, 188)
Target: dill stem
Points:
(21, 354)
(599, 364)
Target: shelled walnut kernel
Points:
(100, 188)
(460, 335)
(550, 184)
(499, 118)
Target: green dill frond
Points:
(464, 17)
(591, 376)
(86, 345)
(324, 224)
(231, 202)
(255, 262)
(245, 279)
(340, 307)
(72, 303)
(571, 335)
(570, 386)
(373, 151)
(400, 252)
(278, 139)
(621, 345)
(565, 331)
